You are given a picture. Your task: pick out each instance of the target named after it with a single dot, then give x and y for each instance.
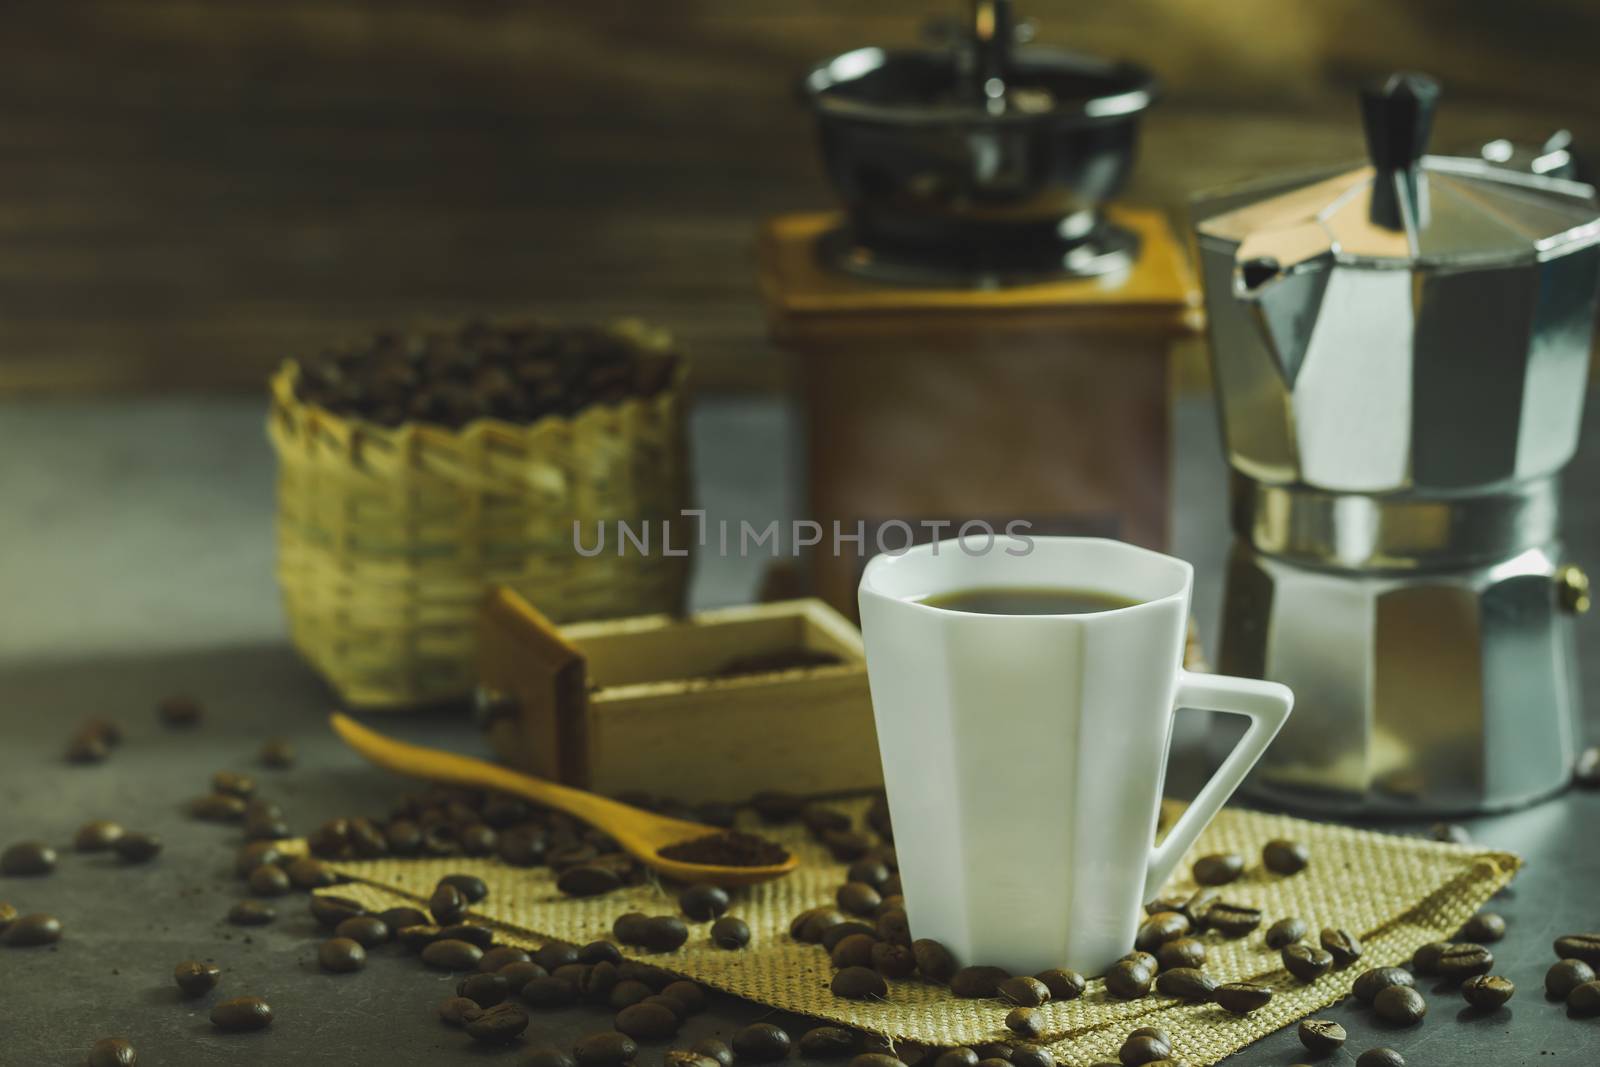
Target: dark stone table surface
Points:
(135, 562)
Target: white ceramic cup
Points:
(1024, 755)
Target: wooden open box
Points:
(638, 704)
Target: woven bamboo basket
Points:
(388, 538)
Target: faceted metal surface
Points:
(1424, 693)
(1450, 354)
(1394, 533)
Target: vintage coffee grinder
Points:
(980, 337)
(1401, 352)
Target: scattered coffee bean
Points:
(553, 955)
(448, 904)
(1565, 976)
(417, 936)
(1484, 928)
(960, 1056)
(1143, 959)
(893, 960)
(180, 711)
(97, 836)
(269, 880)
(1285, 857)
(679, 1057)
(715, 1049)
(876, 1059)
(647, 1022)
(1025, 1022)
(470, 886)
(1369, 984)
(689, 994)
(588, 881)
(368, 931)
(730, 932)
(217, 807)
(233, 784)
(1185, 983)
(1062, 983)
(1026, 992)
(196, 977)
(857, 983)
(1401, 1005)
(1486, 992)
(496, 959)
(1307, 962)
(1028, 1054)
(1231, 920)
(1242, 998)
(1460, 962)
(1321, 1036)
(1342, 946)
(1380, 1057)
(472, 933)
(27, 931)
(703, 902)
(1184, 952)
(1144, 1046)
(1585, 947)
(1160, 928)
(1285, 932)
(663, 933)
(809, 926)
(835, 934)
(449, 954)
(995, 1050)
(935, 962)
(858, 898)
(251, 913)
(974, 982)
(254, 855)
(277, 754)
(762, 1042)
(498, 1025)
(459, 1010)
(1219, 868)
(113, 1052)
(519, 974)
(893, 925)
(1425, 960)
(309, 873)
(28, 859)
(835, 1042)
(341, 955)
(598, 952)
(1584, 1001)
(87, 748)
(241, 1013)
(1128, 979)
(993, 1061)
(330, 910)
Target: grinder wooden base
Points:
(1046, 402)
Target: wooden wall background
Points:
(190, 189)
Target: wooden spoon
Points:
(641, 834)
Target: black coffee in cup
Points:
(1028, 600)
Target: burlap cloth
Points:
(1394, 893)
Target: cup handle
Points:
(1267, 705)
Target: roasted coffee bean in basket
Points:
(418, 470)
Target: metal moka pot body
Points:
(1401, 354)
